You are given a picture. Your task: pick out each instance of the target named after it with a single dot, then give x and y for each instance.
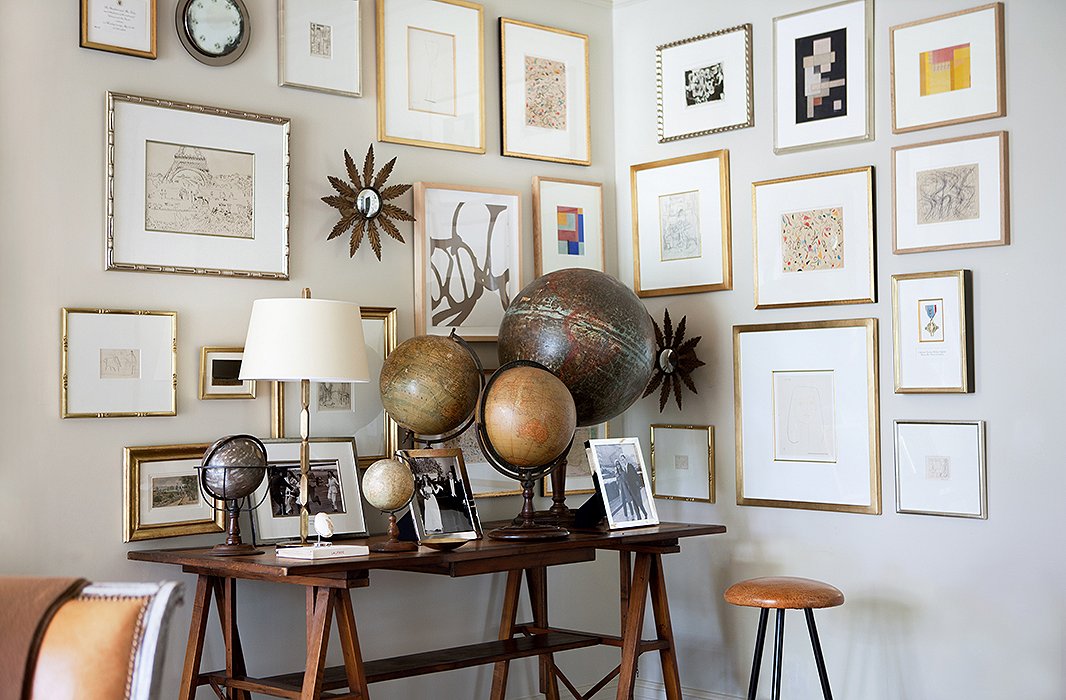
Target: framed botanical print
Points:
(704, 84)
(948, 69)
(949, 194)
(431, 74)
(814, 239)
(823, 76)
(932, 340)
(940, 468)
(544, 74)
(807, 424)
(196, 190)
(468, 258)
(120, 26)
(119, 363)
(161, 493)
(443, 505)
(682, 240)
(342, 409)
(567, 225)
(319, 47)
(682, 462)
(220, 370)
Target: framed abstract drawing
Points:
(196, 190)
(682, 240)
(220, 370)
(682, 462)
(161, 492)
(705, 84)
(807, 424)
(468, 258)
(932, 337)
(814, 239)
(431, 74)
(948, 69)
(319, 46)
(940, 468)
(823, 76)
(119, 26)
(952, 193)
(544, 78)
(567, 225)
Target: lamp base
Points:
(234, 550)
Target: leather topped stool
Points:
(784, 593)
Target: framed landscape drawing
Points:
(468, 258)
(220, 370)
(431, 74)
(120, 26)
(319, 47)
(567, 225)
(119, 363)
(807, 425)
(544, 74)
(161, 494)
(940, 468)
(823, 76)
(682, 241)
(948, 69)
(952, 193)
(814, 239)
(682, 462)
(342, 409)
(704, 84)
(196, 190)
(932, 340)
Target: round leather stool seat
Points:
(784, 592)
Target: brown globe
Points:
(430, 384)
(529, 416)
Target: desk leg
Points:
(316, 648)
(226, 602)
(537, 581)
(349, 638)
(664, 630)
(634, 616)
(507, 629)
(197, 629)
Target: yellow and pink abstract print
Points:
(944, 70)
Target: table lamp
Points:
(305, 340)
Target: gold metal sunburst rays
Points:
(674, 362)
(364, 205)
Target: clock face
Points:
(215, 27)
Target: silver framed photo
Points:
(940, 468)
(443, 505)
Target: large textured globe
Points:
(388, 485)
(529, 416)
(591, 331)
(430, 384)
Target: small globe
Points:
(430, 384)
(233, 467)
(388, 485)
(591, 331)
(529, 416)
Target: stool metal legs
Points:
(822, 675)
(779, 648)
(760, 639)
(779, 651)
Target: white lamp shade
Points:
(294, 339)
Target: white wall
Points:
(936, 607)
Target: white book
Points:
(336, 551)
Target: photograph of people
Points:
(442, 506)
(623, 482)
(323, 489)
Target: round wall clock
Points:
(214, 32)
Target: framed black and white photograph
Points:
(120, 26)
(220, 370)
(161, 493)
(443, 505)
(682, 462)
(940, 468)
(625, 483)
(319, 46)
(932, 337)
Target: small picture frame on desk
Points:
(119, 26)
(443, 505)
(625, 486)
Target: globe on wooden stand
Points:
(388, 485)
(230, 470)
(526, 423)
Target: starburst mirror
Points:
(675, 361)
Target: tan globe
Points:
(388, 485)
(529, 416)
(429, 385)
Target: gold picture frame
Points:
(136, 463)
(119, 26)
(961, 283)
(248, 386)
(656, 483)
(541, 255)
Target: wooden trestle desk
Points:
(328, 582)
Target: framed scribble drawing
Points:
(823, 76)
(948, 69)
(567, 225)
(932, 337)
(807, 424)
(544, 74)
(196, 190)
(940, 468)
(682, 241)
(705, 84)
(431, 74)
(814, 239)
(468, 258)
(319, 46)
(952, 193)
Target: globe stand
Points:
(231, 469)
(393, 543)
(233, 547)
(526, 526)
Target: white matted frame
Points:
(682, 237)
(625, 483)
(704, 84)
(932, 340)
(118, 363)
(817, 101)
(161, 493)
(814, 239)
(948, 69)
(567, 225)
(219, 374)
(831, 459)
(940, 468)
(682, 462)
(468, 258)
(319, 46)
(120, 26)
(278, 517)
(544, 74)
(431, 74)
(950, 194)
(157, 150)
